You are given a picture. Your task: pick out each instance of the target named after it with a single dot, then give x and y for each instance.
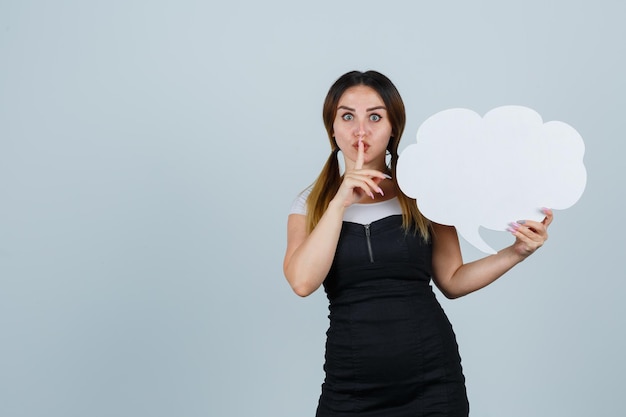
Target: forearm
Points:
(475, 275)
(307, 267)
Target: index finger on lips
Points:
(360, 156)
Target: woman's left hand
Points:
(530, 235)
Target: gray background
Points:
(149, 153)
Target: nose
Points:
(359, 130)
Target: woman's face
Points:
(361, 113)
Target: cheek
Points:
(341, 131)
(336, 129)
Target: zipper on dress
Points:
(369, 243)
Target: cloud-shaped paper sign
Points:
(470, 171)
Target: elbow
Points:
(450, 293)
(302, 290)
(450, 287)
(300, 287)
(452, 296)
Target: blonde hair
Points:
(329, 180)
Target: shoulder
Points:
(299, 203)
(445, 242)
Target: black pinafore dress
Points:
(390, 349)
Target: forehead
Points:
(360, 95)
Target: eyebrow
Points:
(370, 109)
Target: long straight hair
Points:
(329, 180)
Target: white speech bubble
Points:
(470, 171)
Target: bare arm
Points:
(456, 279)
(308, 257)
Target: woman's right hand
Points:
(359, 182)
(309, 256)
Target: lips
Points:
(365, 146)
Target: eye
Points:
(375, 117)
(347, 117)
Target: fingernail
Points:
(514, 225)
(510, 229)
(387, 176)
(521, 221)
(372, 195)
(380, 190)
(545, 210)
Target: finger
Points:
(527, 240)
(521, 239)
(531, 234)
(361, 187)
(368, 173)
(532, 225)
(520, 229)
(538, 227)
(549, 216)
(369, 192)
(528, 230)
(364, 182)
(360, 156)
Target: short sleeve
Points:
(299, 204)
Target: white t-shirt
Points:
(356, 213)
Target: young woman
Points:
(390, 350)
